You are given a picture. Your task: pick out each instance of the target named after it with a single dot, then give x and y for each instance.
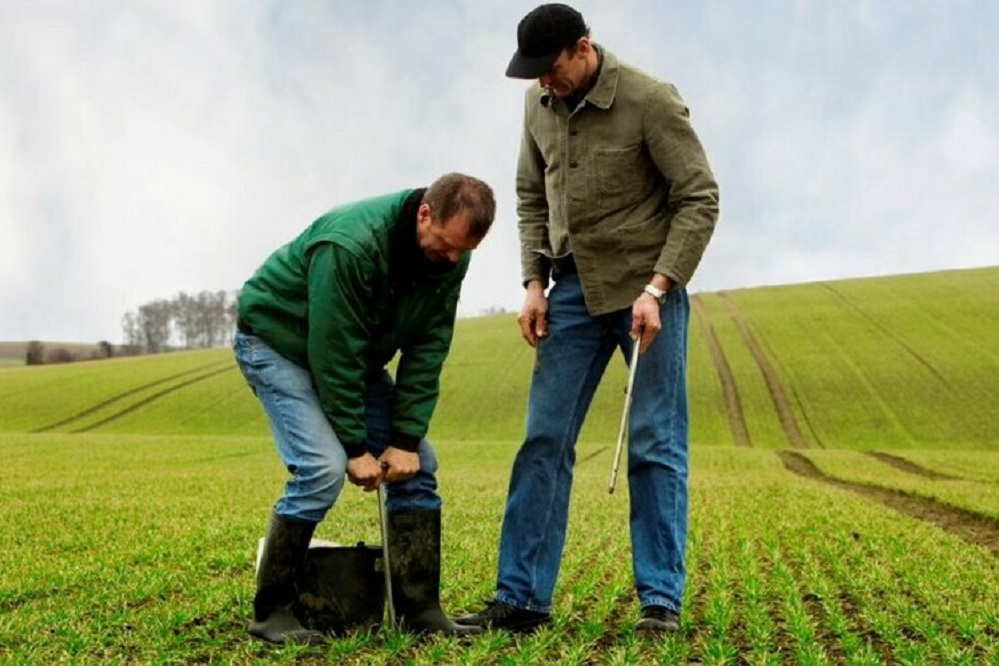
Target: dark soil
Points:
(910, 467)
(968, 525)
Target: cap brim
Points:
(530, 67)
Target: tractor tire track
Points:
(730, 390)
(887, 331)
(781, 403)
(123, 396)
(593, 455)
(154, 397)
(910, 467)
(968, 525)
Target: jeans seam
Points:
(566, 444)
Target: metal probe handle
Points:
(386, 565)
(627, 410)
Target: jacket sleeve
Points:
(693, 193)
(339, 330)
(532, 205)
(417, 380)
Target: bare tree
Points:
(185, 319)
(219, 320)
(132, 330)
(231, 317)
(154, 321)
(199, 321)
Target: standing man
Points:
(318, 323)
(616, 203)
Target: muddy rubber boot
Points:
(415, 560)
(284, 555)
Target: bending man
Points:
(318, 323)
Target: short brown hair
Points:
(454, 193)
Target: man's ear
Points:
(423, 213)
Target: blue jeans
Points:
(309, 447)
(569, 364)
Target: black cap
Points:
(541, 37)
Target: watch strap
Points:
(653, 290)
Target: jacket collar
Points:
(407, 260)
(602, 93)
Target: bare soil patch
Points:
(733, 404)
(972, 527)
(910, 467)
(777, 394)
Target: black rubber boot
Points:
(415, 560)
(280, 565)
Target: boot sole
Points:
(306, 637)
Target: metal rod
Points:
(386, 565)
(627, 410)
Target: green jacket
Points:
(346, 295)
(622, 183)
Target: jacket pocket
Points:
(618, 171)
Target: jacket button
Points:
(573, 165)
(573, 132)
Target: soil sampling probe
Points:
(627, 411)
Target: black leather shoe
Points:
(498, 615)
(658, 620)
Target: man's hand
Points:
(645, 319)
(365, 471)
(399, 464)
(533, 317)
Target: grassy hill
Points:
(897, 362)
(844, 484)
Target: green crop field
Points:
(844, 476)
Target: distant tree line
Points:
(36, 353)
(197, 321)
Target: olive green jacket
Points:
(346, 295)
(622, 183)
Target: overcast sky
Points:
(150, 147)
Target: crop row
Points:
(900, 362)
(39, 398)
(143, 552)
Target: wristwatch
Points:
(653, 290)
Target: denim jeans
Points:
(569, 364)
(309, 447)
